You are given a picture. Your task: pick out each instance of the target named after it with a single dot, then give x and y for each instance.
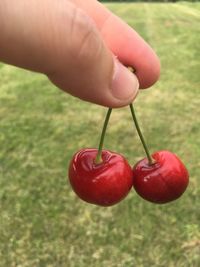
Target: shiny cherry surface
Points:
(104, 183)
(163, 181)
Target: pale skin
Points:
(79, 45)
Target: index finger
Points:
(124, 42)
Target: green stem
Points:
(151, 161)
(98, 158)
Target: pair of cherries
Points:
(104, 178)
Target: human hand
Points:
(75, 43)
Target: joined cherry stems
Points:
(99, 153)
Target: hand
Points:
(75, 43)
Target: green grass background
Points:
(42, 222)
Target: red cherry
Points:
(163, 181)
(104, 183)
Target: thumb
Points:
(59, 39)
(87, 69)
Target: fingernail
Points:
(125, 84)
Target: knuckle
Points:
(86, 44)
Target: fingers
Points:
(89, 70)
(92, 73)
(124, 42)
(60, 40)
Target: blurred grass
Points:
(42, 223)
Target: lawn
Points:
(42, 222)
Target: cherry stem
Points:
(151, 161)
(98, 158)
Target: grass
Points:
(42, 223)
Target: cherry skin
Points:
(163, 181)
(105, 183)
